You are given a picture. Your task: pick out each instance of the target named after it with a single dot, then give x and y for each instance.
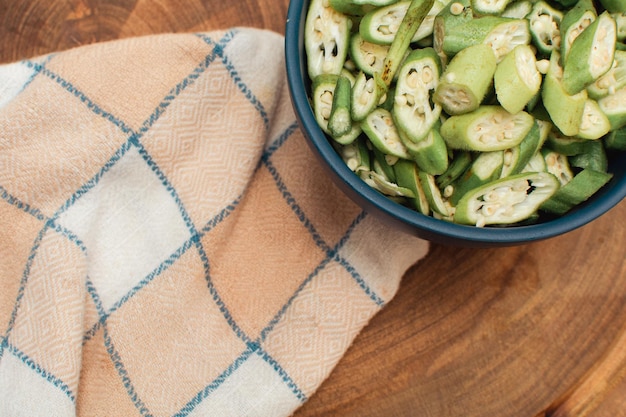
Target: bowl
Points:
(404, 218)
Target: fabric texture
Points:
(169, 245)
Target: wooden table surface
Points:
(536, 330)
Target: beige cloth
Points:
(169, 246)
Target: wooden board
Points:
(536, 330)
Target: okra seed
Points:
(327, 97)
(413, 79)
(427, 75)
(542, 66)
(353, 164)
(456, 8)
(384, 29)
(370, 59)
(325, 112)
(325, 3)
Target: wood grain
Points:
(535, 330)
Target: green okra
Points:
(516, 79)
(614, 6)
(591, 54)
(454, 14)
(382, 164)
(326, 39)
(565, 110)
(368, 57)
(500, 33)
(459, 163)
(489, 7)
(613, 80)
(358, 7)
(466, 80)
(575, 20)
(516, 158)
(545, 23)
(536, 164)
(414, 111)
(407, 176)
(593, 157)
(594, 123)
(384, 186)
(356, 155)
(340, 121)
(383, 133)
(565, 145)
(620, 23)
(486, 167)
(566, 3)
(558, 165)
(614, 107)
(366, 96)
(430, 153)
(323, 91)
(518, 9)
(489, 128)
(585, 184)
(616, 140)
(433, 194)
(507, 200)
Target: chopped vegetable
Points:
(517, 79)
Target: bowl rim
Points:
(424, 226)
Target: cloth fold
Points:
(169, 245)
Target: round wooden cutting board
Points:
(535, 330)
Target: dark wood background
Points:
(536, 330)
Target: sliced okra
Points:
(536, 164)
(407, 176)
(365, 96)
(340, 121)
(516, 79)
(433, 194)
(466, 80)
(460, 163)
(566, 3)
(486, 167)
(489, 7)
(585, 184)
(516, 158)
(454, 14)
(616, 140)
(358, 7)
(323, 91)
(507, 200)
(614, 6)
(594, 123)
(356, 155)
(413, 110)
(575, 20)
(382, 164)
(565, 110)
(326, 39)
(591, 54)
(489, 128)
(593, 157)
(384, 186)
(545, 23)
(518, 9)
(612, 81)
(557, 164)
(620, 22)
(381, 24)
(430, 153)
(500, 33)
(565, 145)
(383, 133)
(614, 107)
(368, 57)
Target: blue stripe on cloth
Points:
(285, 377)
(282, 138)
(48, 376)
(36, 213)
(234, 75)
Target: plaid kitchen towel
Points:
(169, 246)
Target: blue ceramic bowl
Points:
(395, 215)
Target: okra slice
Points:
(384, 186)
(614, 107)
(593, 157)
(366, 95)
(407, 176)
(584, 185)
(612, 81)
(382, 164)
(516, 158)
(575, 20)
(507, 200)
(459, 163)
(545, 23)
(466, 80)
(486, 167)
(340, 121)
(326, 39)
(367, 56)
(594, 123)
(620, 22)
(323, 91)
(500, 33)
(382, 132)
(565, 145)
(536, 164)
(430, 153)
(565, 110)
(616, 140)
(356, 155)
(614, 6)
(380, 25)
(558, 165)
(518, 9)
(413, 110)
(591, 54)
(454, 14)
(489, 128)
(433, 194)
(516, 79)
(358, 7)
(489, 7)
